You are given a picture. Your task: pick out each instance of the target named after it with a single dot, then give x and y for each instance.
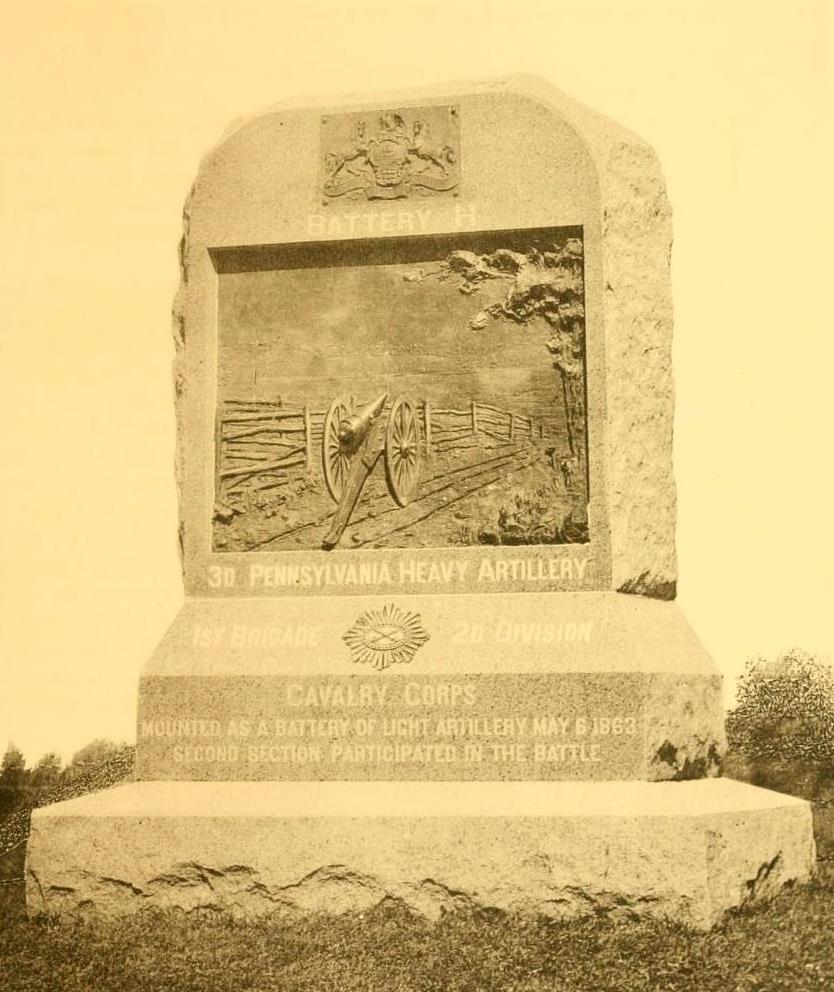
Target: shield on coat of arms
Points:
(389, 160)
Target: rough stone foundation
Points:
(682, 851)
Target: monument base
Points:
(685, 851)
(584, 686)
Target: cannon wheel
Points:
(402, 451)
(335, 461)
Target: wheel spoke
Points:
(334, 460)
(401, 456)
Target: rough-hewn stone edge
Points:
(752, 864)
(684, 720)
(180, 330)
(640, 399)
(329, 891)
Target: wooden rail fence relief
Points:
(261, 445)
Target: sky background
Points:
(107, 109)
(311, 334)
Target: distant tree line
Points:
(22, 787)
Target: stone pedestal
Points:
(590, 686)
(684, 851)
(516, 762)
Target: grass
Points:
(784, 944)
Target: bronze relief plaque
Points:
(402, 393)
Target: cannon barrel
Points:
(354, 429)
(361, 437)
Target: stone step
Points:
(684, 851)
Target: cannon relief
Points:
(352, 443)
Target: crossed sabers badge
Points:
(389, 636)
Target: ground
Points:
(784, 944)
(513, 493)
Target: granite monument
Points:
(430, 648)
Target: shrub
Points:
(785, 710)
